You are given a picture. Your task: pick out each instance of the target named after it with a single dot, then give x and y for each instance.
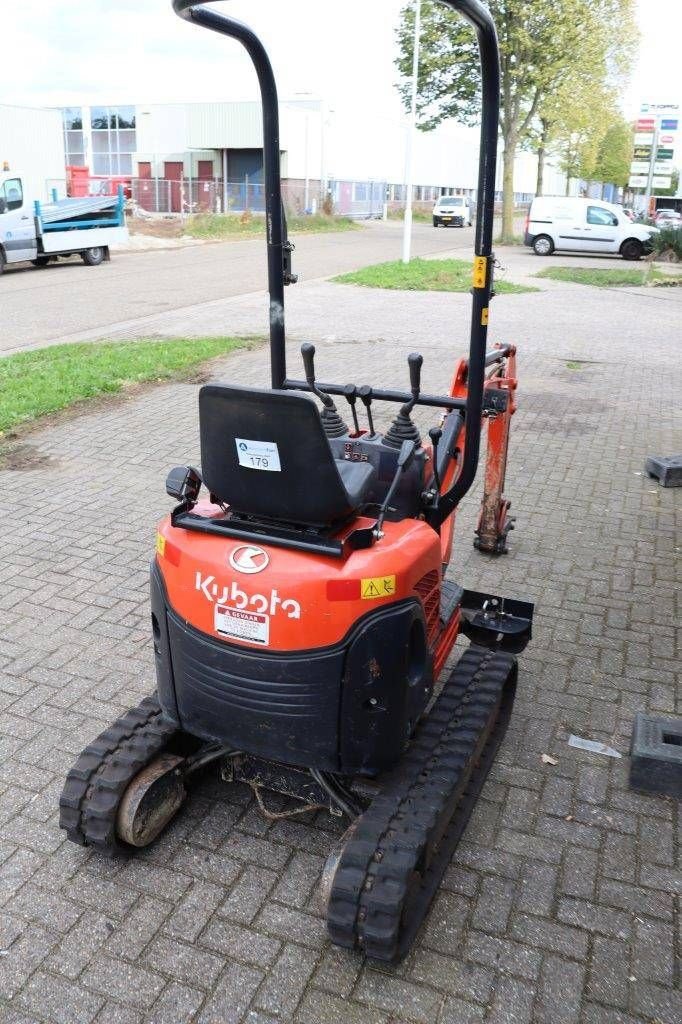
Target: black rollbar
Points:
(190, 10)
(479, 16)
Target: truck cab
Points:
(17, 229)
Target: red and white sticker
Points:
(242, 625)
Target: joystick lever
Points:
(350, 393)
(331, 421)
(308, 353)
(402, 428)
(435, 433)
(365, 393)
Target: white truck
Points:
(43, 232)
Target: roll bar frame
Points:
(479, 17)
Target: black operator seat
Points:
(265, 454)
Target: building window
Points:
(113, 140)
(74, 146)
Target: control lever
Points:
(365, 393)
(350, 393)
(435, 433)
(308, 353)
(405, 457)
(402, 428)
(331, 421)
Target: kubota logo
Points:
(247, 558)
(231, 594)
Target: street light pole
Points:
(407, 223)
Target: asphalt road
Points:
(58, 301)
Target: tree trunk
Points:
(541, 170)
(568, 184)
(507, 233)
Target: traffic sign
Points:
(662, 181)
(638, 181)
(669, 124)
(639, 167)
(644, 138)
(664, 154)
(642, 153)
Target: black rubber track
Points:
(392, 864)
(93, 789)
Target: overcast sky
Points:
(58, 52)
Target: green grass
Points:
(424, 276)
(612, 278)
(45, 380)
(230, 225)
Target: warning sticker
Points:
(377, 586)
(242, 625)
(160, 544)
(258, 455)
(480, 268)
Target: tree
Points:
(542, 43)
(615, 152)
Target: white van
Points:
(584, 225)
(452, 211)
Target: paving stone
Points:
(80, 945)
(557, 938)
(126, 983)
(231, 996)
(337, 971)
(59, 1000)
(182, 962)
(213, 867)
(248, 894)
(23, 957)
(657, 1002)
(512, 1003)
(560, 995)
(115, 1013)
(413, 1002)
(283, 987)
(456, 1011)
(177, 1005)
(460, 977)
(537, 888)
(298, 880)
(286, 923)
(323, 1008)
(594, 918)
(138, 928)
(579, 872)
(239, 943)
(654, 951)
(194, 910)
(503, 954)
(609, 972)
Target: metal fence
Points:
(191, 196)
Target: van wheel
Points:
(435, 222)
(93, 257)
(2, 261)
(543, 245)
(632, 249)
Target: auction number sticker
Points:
(258, 455)
(242, 625)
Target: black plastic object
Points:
(350, 393)
(497, 622)
(331, 421)
(666, 469)
(348, 707)
(656, 755)
(403, 429)
(265, 453)
(365, 393)
(184, 483)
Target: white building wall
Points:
(31, 142)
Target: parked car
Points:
(584, 225)
(454, 211)
(667, 218)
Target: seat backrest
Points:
(265, 453)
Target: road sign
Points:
(669, 124)
(662, 181)
(662, 167)
(638, 180)
(645, 124)
(666, 140)
(639, 167)
(642, 153)
(644, 138)
(663, 153)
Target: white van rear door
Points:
(601, 230)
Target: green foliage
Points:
(600, 277)
(544, 45)
(229, 225)
(44, 380)
(615, 153)
(423, 275)
(669, 242)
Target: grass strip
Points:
(216, 225)
(46, 380)
(424, 276)
(600, 277)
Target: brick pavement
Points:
(559, 906)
